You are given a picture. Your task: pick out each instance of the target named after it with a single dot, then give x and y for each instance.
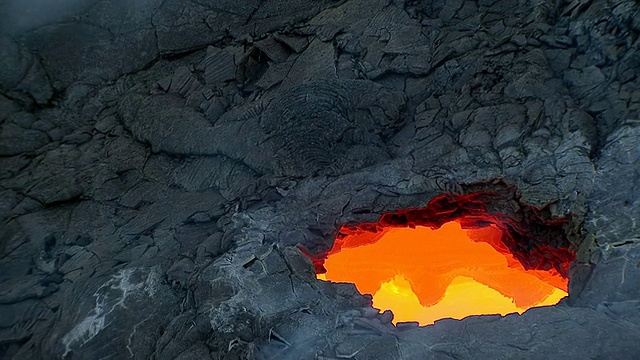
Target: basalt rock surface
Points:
(161, 162)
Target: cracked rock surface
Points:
(161, 161)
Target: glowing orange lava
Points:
(423, 275)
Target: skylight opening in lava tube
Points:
(426, 273)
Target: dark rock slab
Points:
(22, 76)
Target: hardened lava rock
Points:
(162, 163)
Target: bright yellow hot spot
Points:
(464, 297)
(424, 275)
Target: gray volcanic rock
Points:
(612, 220)
(329, 121)
(161, 162)
(22, 73)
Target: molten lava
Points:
(461, 262)
(424, 275)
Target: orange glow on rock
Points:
(424, 275)
(454, 258)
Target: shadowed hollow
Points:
(423, 274)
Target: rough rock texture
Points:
(160, 162)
